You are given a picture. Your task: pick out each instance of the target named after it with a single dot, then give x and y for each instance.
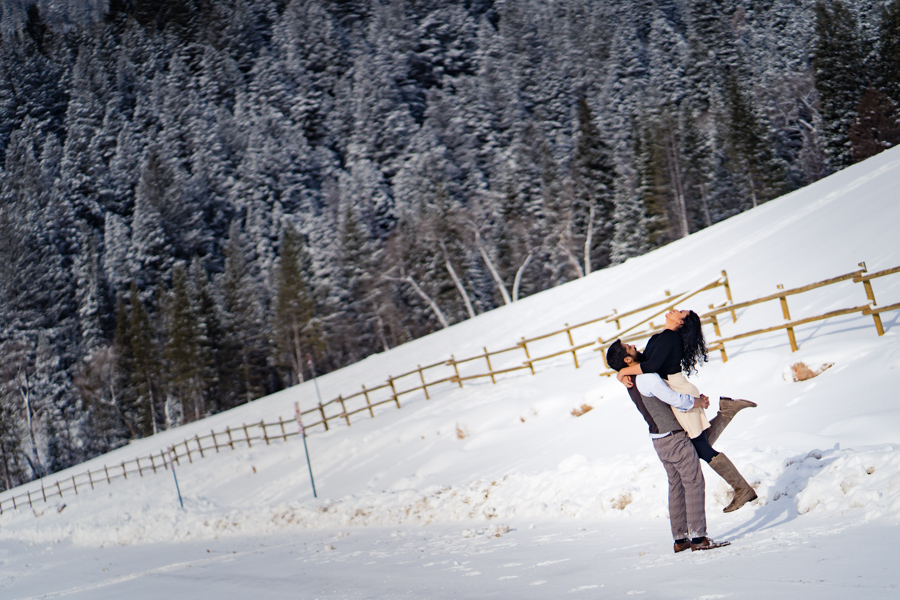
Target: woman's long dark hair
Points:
(693, 344)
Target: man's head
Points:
(622, 355)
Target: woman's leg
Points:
(721, 464)
(703, 447)
(743, 493)
(727, 409)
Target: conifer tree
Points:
(653, 184)
(593, 175)
(294, 329)
(147, 364)
(840, 73)
(245, 346)
(877, 125)
(751, 155)
(889, 51)
(186, 347)
(209, 315)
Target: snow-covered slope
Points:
(506, 474)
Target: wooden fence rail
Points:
(447, 373)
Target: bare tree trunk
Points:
(678, 188)
(459, 285)
(6, 474)
(572, 259)
(588, 237)
(518, 279)
(500, 285)
(25, 392)
(752, 191)
(296, 352)
(434, 307)
(381, 335)
(706, 214)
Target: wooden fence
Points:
(454, 372)
(713, 315)
(192, 448)
(860, 276)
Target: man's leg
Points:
(687, 488)
(677, 509)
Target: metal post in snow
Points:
(305, 448)
(177, 489)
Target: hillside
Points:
(183, 180)
(496, 490)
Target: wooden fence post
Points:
(344, 409)
(787, 317)
(262, 425)
(424, 386)
(162, 457)
(870, 294)
(394, 390)
(283, 432)
(58, 489)
(452, 362)
(43, 493)
(368, 404)
(487, 357)
(74, 485)
(322, 412)
(572, 343)
(230, 440)
(715, 322)
(124, 470)
(215, 441)
(106, 470)
(29, 499)
(199, 445)
(728, 295)
(188, 449)
(247, 435)
(140, 470)
(524, 345)
(90, 479)
(152, 463)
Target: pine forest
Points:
(206, 201)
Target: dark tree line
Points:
(201, 199)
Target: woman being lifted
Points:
(675, 351)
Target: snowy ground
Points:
(532, 501)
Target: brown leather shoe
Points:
(682, 546)
(707, 544)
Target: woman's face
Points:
(675, 317)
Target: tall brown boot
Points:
(727, 409)
(743, 493)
